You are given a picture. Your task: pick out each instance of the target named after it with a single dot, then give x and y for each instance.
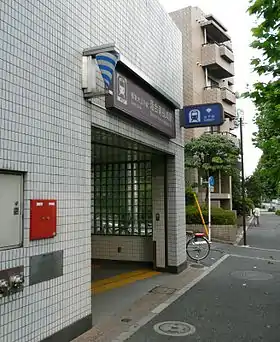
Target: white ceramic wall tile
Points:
(46, 129)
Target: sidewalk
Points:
(249, 222)
(118, 326)
(157, 299)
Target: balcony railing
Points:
(218, 59)
(228, 96)
(226, 53)
(215, 29)
(217, 94)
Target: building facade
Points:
(208, 77)
(84, 178)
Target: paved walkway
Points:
(238, 301)
(267, 235)
(233, 296)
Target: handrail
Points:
(219, 45)
(219, 87)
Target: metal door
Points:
(11, 194)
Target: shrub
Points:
(277, 212)
(219, 216)
(238, 206)
(189, 196)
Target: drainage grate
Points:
(174, 328)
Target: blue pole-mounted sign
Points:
(211, 181)
(202, 115)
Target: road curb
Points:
(240, 237)
(132, 330)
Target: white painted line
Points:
(261, 249)
(254, 258)
(160, 308)
(132, 330)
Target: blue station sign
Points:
(211, 181)
(202, 115)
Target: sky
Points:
(233, 15)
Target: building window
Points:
(212, 83)
(122, 199)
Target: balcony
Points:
(226, 53)
(230, 81)
(216, 94)
(216, 196)
(213, 57)
(222, 189)
(215, 29)
(228, 96)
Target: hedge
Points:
(219, 216)
(277, 212)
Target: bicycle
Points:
(199, 245)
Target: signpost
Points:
(211, 183)
(202, 115)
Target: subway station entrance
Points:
(123, 244)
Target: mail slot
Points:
(42, 219)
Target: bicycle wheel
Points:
(198, 248)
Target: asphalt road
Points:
(238, 301)
(267, 235)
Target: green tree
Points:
(267, 181)
(211, 153)
(265, 94)
(236, 191)
(254, 189)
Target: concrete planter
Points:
(225, 233)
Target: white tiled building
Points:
(45, 146)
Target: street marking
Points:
(160, 308)
(132, 330)
(252, 275)
(260, 249)
(254, 258)
(118, 277)
(121, 280)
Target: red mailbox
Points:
(42, 219)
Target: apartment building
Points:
(208, 77)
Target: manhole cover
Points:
(252, 275)
(162, 290)
(174, 328)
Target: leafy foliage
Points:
(261, 185)
(237, 201)
(266, 36)
(254, 189)
(266, 95)
(189, 196)
(219, 216)
(211, 152)
(236, 191)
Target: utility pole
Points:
(243, 183)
